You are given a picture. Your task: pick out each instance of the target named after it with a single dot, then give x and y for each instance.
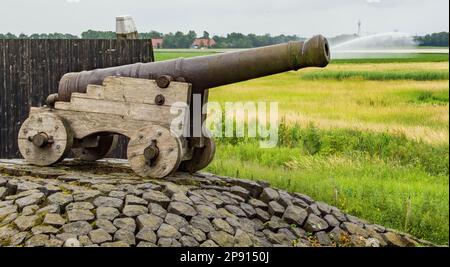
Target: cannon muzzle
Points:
(207, 72)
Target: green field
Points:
(399, 58)
(161, 56)
(370, 136)
(376, 58)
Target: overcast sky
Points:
(300, 17)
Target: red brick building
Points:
(203, 42)
(157, 43)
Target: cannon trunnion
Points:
(92, 108)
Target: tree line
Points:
(434, 39)
(185, 40)
(231, 40)
(39, 36)
(173, 40)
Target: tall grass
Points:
(431, 159)
(382, 178)
(374, 190)
(395, 58)
(396, 106)
(438, 97)
(377, 75)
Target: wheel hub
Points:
(41, 140)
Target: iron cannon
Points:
(93, 107)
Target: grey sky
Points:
(301, 17)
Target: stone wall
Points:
(105, 204)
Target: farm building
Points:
(203, 42)
(157, 43)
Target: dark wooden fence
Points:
(31, 69)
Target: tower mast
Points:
(359, 27)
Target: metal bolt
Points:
(159, 100)
(151, 153)
(40, 139)
(51, 100)
(163, 81)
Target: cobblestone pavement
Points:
(105, 204)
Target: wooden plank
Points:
(132, 111)
(40, 60)
(3, 128)
(11, 94)
(150, 53)
(6, 82)
(22, 83)
(86, 123)
(29, 73)
(54, 66)
(120, 89)
(46, 66)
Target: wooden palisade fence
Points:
(31, 69)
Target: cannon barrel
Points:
(207, 72)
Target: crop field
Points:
(166, 54)
(370, 136)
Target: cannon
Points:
(93, 107)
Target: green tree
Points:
(434, 39)
(151, 35)
(91, 34)
(192, 35)
(8, 36)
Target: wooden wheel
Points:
(154, 152)
(44, 139)
(201, 157)
(105, 145)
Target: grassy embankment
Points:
(369, 136)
